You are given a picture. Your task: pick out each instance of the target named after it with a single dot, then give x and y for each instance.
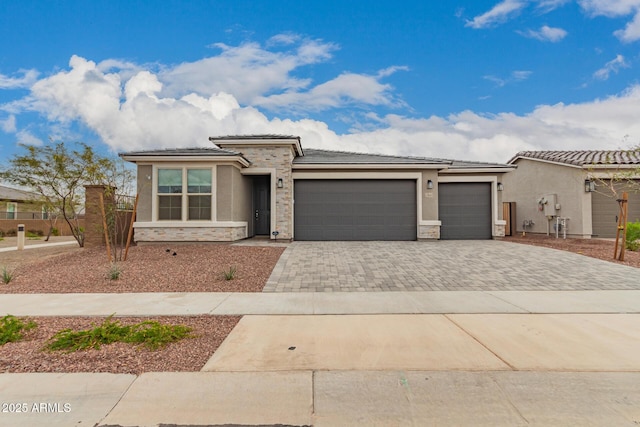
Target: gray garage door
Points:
(355, 209)
(605, 210)
(464, 210)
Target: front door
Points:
(262, 205)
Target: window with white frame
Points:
(176, 183)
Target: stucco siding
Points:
(145, 193)
(224, 193)
(429, 197)
(534, 179)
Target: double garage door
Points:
(386, 210)
(355, 209)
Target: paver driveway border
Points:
(442, 266)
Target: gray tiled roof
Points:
(313, 156)
(200, 151)
(584, 157)
(463, 164)
(13, 194)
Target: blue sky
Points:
(475, 80)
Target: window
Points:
(12, 207)
(197, 187)
(170, 194)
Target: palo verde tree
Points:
(58, 173)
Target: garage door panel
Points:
(355, 210)
(465, 210)
(605, 209)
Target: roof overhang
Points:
(533, 159)
(478, 170)
(293, 142)
(147, 158)
(384, 166)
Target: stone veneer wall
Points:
(191, 234)
(280, 159)
(499, 230)
(430, 232)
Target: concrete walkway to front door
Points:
(442, 266)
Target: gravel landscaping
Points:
(189, 354)
(149, 268)
(595, 248)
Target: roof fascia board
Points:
(185, 158)
(295, 142)
(479, 170)
(612, 166)
(544, 161)
(367, 166)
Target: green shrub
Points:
(114, 271)
(12, 328)
(7, 275)
(231, 273)
(55, 231)
(633, 236)
(149, 334)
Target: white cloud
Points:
(27, 79)
(549, 5)
(545, 34)
(500, 13)
(247, 70)
(346, 89)
(137, 113)
(27, 138)
(617, 8)
(9, 125)
(612, 66)
(514, 77)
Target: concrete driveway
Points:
(442, 265)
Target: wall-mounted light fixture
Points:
(429, 184)
(589, 185)
(500, 186)
(280, 183)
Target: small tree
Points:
(59, 173)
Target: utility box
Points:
(550, 204)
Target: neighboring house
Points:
(246, 186)
(19, 204)
(573, 185)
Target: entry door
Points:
(262, 205)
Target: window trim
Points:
(184, 194)
(14, 212)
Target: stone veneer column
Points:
(93, 229)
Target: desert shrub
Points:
(150, 334)
(633, 236)
(114, 271)
(231, 273)
(7, 275)
(12, 232)
(55, 231)
(12, 328)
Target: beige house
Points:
(19, 204)
(245, 186)
(550, 188)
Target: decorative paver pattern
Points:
(442, 265)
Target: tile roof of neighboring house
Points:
(583, 157)
(13, 194)
(199, 151)
(313, 156)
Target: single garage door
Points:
(465, 210)
(353, 209)
(605, 210)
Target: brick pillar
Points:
(93, 229)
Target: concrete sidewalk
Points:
(427, 302)
(394, 358)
